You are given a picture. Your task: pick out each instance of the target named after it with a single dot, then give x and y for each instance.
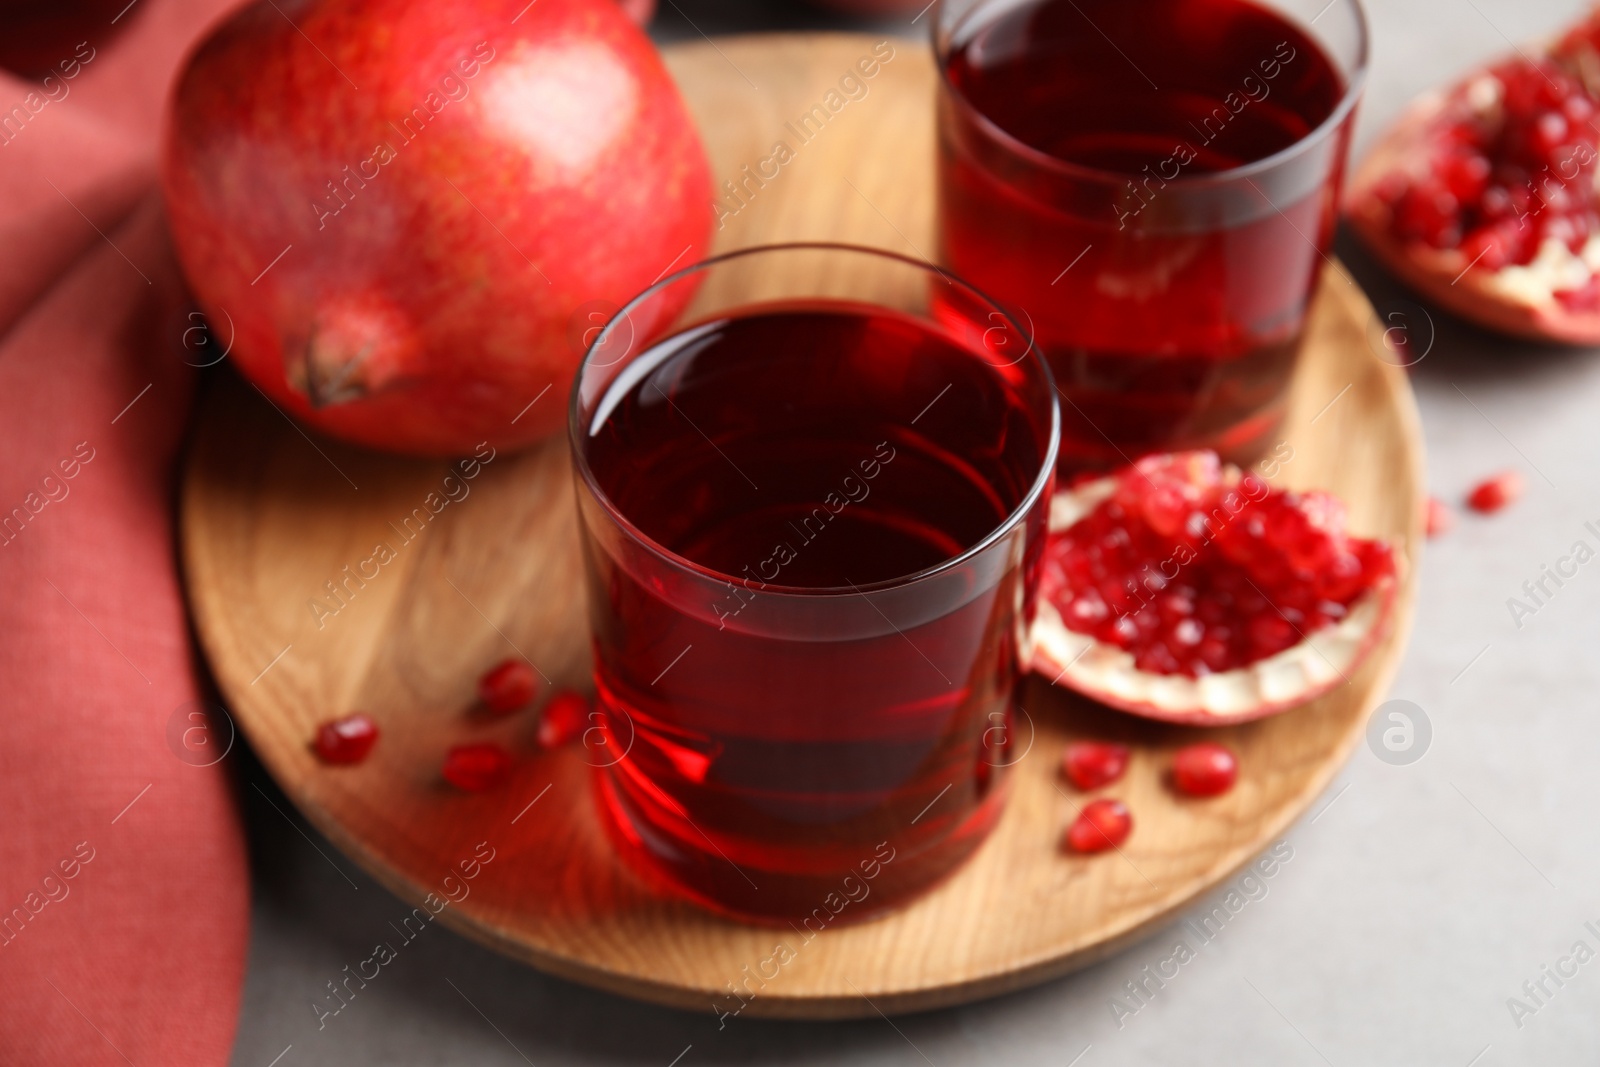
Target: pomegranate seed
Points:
(1495, 245)
(1492, 494)
(1102, 824)
(1429, 213)
(563, 719)
(1438, 518)
(1262, 569)
(1500, 181)
(1271, 634)
(1204, 769)
(1092, 764)
(1466, 175)
(475, 768)
(508, 686)
(347, 740)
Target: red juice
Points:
(802, 727)
(1088, 180)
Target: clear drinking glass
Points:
(1151, 188)
(811, 511)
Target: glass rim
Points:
(1323, 130)
(576, 435)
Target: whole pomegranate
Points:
(403, 216)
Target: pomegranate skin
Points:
(403, 216)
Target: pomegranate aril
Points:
(476, 768)
(346, 740)
(1089, 607)
(1187, 633)
(1584, 298)
(563, 720)
(1102, 824)
(1176, 604)
(1377, 561)
(1092, 764)
(1494, 245)
(1270, 633)
(1204, 769)
(1437, 517)
(1496, 204)
(1549, 133)
(1214, 655)
(1310, 552)
(507, 686)
(1274, 560)
(1249, 602)
(1166, 511)
(1492, 494)
(1285, 526)
(1429, 213)
(1465, 175)
(1502, 180)
(1157, 659)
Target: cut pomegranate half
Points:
(1482, 196)
(1183, 590)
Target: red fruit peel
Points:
(405, 219)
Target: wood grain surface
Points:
(270, 515)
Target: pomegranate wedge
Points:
(1483, 198)
(1184, 590)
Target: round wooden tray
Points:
(269, 516)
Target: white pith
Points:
(1107, 673)
(1552, 270)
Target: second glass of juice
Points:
(811, 516)
(1151, 188)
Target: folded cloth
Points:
(124, 892)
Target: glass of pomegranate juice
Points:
(811, 512)
(1150, 188)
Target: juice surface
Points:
(1116, 85)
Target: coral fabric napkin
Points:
(124, 894)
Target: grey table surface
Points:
(1419, 899)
